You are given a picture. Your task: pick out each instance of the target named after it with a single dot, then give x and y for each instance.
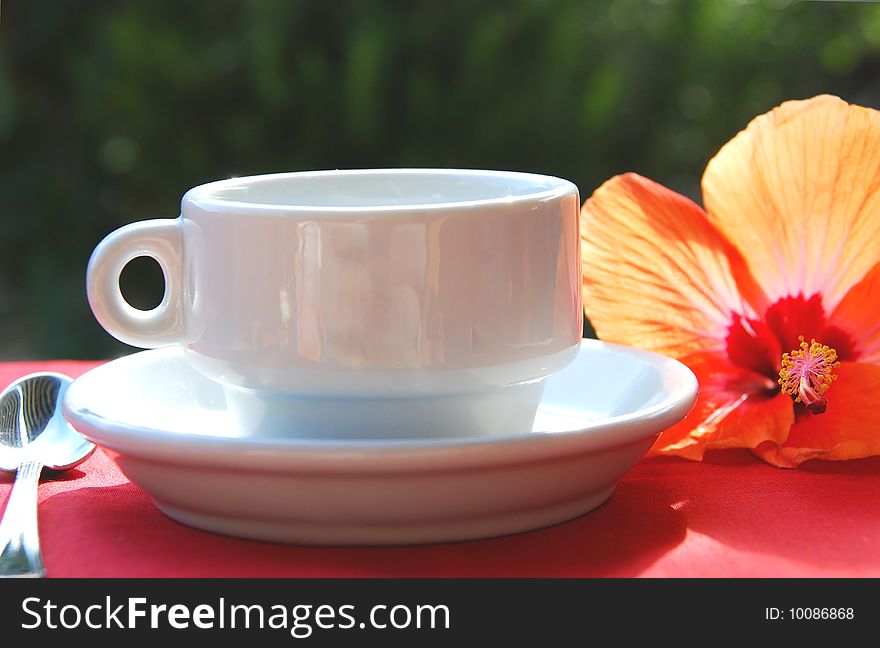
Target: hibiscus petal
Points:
(736, 408)
(798, 192)
(657, 275)
(849, 428)
(858, 313)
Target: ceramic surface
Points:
(367, 282)
(170, 431)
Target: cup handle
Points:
(160, 239)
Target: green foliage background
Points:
(109, 111)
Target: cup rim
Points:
(547, 188)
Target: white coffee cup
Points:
(334, 288)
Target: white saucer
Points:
(168, 429)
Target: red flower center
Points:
(759, 344)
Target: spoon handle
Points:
(19, 537)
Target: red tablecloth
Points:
(729, 516)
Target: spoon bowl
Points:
(33, 435)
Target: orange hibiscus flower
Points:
(770, 295)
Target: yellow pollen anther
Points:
(806, 374)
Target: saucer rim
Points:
(621, 429)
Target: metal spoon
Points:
(33, 435)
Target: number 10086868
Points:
(810, 613)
